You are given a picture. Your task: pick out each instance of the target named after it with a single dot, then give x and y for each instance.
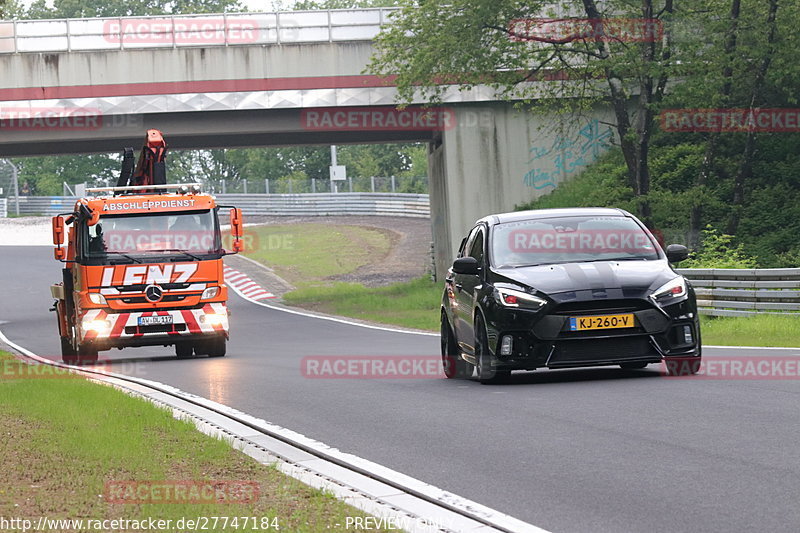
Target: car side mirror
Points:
(466, 265)
(677, 253)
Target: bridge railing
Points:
(179, 31)
(745, 292)
(385, 204)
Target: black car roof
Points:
(533, 214)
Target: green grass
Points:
(65, 437)
(414, 304)
(304, 252)
(760, 330)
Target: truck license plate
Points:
(155, 320)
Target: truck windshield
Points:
(192, 233)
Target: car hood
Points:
(601, 279)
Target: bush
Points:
(717, 250)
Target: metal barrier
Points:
(182, 31)
(385, 204)
(746, 291)
(3, 208)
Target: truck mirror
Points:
(59, 253)
(238, 246)
(58, 231)
(236, 222)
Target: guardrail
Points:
(3, 208)
(385, 204)
(183, 31)
(745, 292)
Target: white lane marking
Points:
(241, 282)
(753, 347)
(330, 318)
(377, 470)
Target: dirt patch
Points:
(408, 258)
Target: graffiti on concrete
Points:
(566, 155)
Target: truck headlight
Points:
(97, 298)
(675, 288)
(98, 325)
(514, 298)
(209, 293)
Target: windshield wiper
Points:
(126, 256)
(184, 252)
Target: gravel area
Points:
(409, 257)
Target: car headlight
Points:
(515, 298)
(675, 288)
(210, 292)
(97, 298)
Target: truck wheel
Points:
(87, 355)
(68, 353)
(184, 350)
(217, 347)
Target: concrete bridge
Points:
(207, 81)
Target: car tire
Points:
(453, 365)
(184, 350)
(483, 357)
(633, 366)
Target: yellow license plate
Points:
(581, 323)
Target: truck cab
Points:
(143, 267)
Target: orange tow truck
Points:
(143, 265)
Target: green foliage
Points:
(719, 251)
(41, 9)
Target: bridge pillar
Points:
(495, 157)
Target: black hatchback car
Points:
(563, 288)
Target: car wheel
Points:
(184, 350)
(453, 365)
(633, 366)
(483, 358)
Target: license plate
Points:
(155, 320)
(581, 323)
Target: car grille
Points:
(143, 300)
(599, 350)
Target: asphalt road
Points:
(570, 451)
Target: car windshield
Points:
(569, 240)
(131, 235)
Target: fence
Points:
(3, 208)
(403, 184)
(745, 292)
(386, 204)
(165, 31)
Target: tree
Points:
(40, 9)
(507, 45)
